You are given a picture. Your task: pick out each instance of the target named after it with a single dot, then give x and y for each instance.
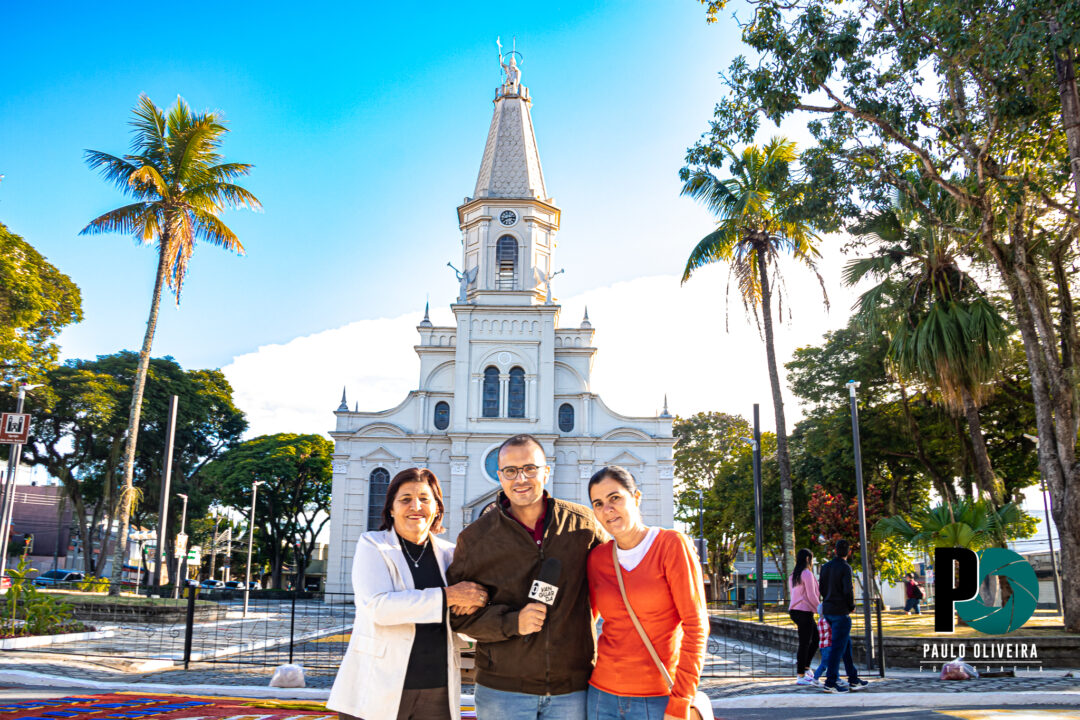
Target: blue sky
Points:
(366, 123)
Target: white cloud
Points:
(654, 337)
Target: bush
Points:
(93, 584)
(26, 611)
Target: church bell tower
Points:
(508, 227)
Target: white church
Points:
(507, 366)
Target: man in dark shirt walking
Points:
(837, 604)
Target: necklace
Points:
(414, 560)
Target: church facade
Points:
(507, 366)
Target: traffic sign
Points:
(181, 545)
(14, 428)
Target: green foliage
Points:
(973, 524)
(294, 502)
(93, 584)
(79, 428)
(28, 611)
(179, 183)
(36, 302)
(710, 454)
(910, 443)
(757, 215)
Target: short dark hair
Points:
(518, 441)
(617, 473)
(413, 475)
(842, 547)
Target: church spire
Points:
(511, 164)
(344, 406)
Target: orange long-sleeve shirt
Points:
(668, 597)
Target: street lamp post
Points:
(864, 551)
(759, 528)
(251, 536)
(181, 562)
(7, 502)
(1049, 532)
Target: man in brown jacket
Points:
(532, 661)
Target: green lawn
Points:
(74, 596)
(1044, 622)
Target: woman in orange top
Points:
(663, 584)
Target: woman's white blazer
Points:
(388, 606)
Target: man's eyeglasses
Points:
(510, 472)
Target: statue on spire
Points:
(513, 73)
(465, 279)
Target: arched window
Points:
(506, 255)
(515, 399)
(491, 392)
(378, 482)
(491, 464)
(442, 415)
(566, 417)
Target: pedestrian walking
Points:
(913, 595)
(646, 584)
(803, 591)
(825, 646)
(533, 660)
(402, 661)
(838, 602)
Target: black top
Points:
(427, 659)
(837, 592)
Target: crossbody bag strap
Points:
(637, 623)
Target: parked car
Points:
(211, 584)
(58, 577)
(239, 585)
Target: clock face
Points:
(508, 217)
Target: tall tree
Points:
(943, 329)
(36, 302)
(758, 222)
(294, 502)
(180, 186)
(965, 93)
(79, 427)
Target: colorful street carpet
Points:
(147, 706)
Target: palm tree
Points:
(757, 223)
(180, 186)
(944, 332)
(967, 523)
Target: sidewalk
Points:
(25, 669)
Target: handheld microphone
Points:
(546, 586)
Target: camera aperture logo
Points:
(960, 572)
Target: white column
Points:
(530, 396)
(504, 394)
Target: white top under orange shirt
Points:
(668, 597)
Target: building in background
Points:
(507, 366)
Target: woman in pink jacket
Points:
(803, 591)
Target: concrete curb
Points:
(33, 679)
(898, 699)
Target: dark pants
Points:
(841, 650)
(426, 704)
(808, 638)
(912, 605)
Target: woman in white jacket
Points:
(402, 662)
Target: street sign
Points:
(14, 428)
(181, 545)
(194, 555)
